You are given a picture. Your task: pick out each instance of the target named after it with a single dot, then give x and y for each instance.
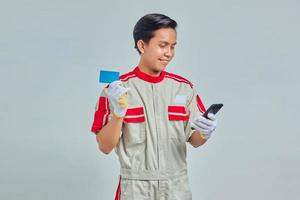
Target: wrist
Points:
(117, 117)
(204, 136)
(119, 112)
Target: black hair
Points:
(146, 26)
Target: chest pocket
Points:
(134, 125)
(178, 117)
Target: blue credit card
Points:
(108, 76)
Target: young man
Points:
(149, 115)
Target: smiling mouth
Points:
(164, 61)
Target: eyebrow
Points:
(168, 42)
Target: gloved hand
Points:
(205, 126)
(116, 94)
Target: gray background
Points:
(244, 54)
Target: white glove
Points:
(116, 94)
(205, 126)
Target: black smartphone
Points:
(214, 108)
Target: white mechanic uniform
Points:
(152, 147)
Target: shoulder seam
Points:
(127, 76)
(178, 78)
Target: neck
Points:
(147, 70)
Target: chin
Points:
(158, 70)
(161, 67)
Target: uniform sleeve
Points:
(102, 113)
(195, 108)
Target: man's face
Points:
(160, 50)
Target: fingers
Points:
(205, 126)
(205, 121)
(118, 85)
(200, 128)
(117, 90)
(202, 125)
(115, 83)
(211, 116)
(124, 90)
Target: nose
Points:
(168, 52)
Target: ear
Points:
(141, 46)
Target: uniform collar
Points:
(147, 77)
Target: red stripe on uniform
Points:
(99, 117)
(118, 192)
(178, 78)
(178, 117)
(134, 115)
(107, 113)
(134, 119)
(135, 111)
(177, 113)
(177, 109)
(126, 77)
(200, 104)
